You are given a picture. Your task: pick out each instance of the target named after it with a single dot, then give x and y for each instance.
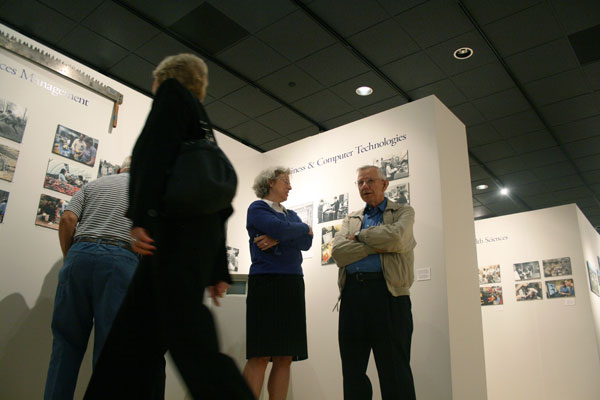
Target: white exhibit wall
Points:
(539, 348)
(436, 145)
(31, 256)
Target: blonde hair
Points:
(190, 70)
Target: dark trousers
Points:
(164, 310)
(372, 319)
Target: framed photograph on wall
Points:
(8, 162)
(527, 270)
(66, 178)
(305, 212)
(557, 267)
(75, 145)
(398, 193)
(327, 235)
(106, 168)
(393, 166)
(491, 295)
(3, 201)
(332, 208)
(489, 274)
(232, 259)
(560, 288)
(13, 119)
(528, 291)
(593, 276)
(49, 211)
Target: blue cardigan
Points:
(292, 233)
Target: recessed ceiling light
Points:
(504, 191)
(364, 91)
(481, 187)
(463, 53)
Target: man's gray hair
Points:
(380, 172)
(262, 182)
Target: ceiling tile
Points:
(531, 189)
(290, 84)
(542, 61)
(507, 165)
(526, 29)
(555, 170)
(444, 90)
(74, 9)
(576, 15)
(468, 114)
(383, 105)
(394, 7)
(36, 20)
(480, 212)
(564, 182)
(220, 81)
(347, 90)
(322, 106)
(296, 36)
(224, 116)
(250, 101)
(161, 46)
(477, 173)
(570, 195)
(92, 48)
(279, 142)
(163, 12)
(384, 42)
(592, 177)
(135, 70)
(493, 151)
(592, 75)
(482, 134)
(255, 133)
(501, 104)
(433, 22)
(252, 58)
(571, 109)
(543, 157)
(532, 141)
(517, 124)
(349, 16)
(332, 65)
(283, 121)
(584, 147)
(483, 81)
(443, 53)
(486, 11)
(557, 87)
(504, 207)
(343, 120)
(413, 71)
(520, 178)
(117, 24)
(254, 16)
(303, 133)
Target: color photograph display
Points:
(75, 145)
(491, 295)
(489, 274)
(327, 235)
(3, 202)
(49, 211)
(593, 276)
(527, 271)
(333, 208)
(560, 288)
(398, 193)
(13, 119)
(66, 178)
(394, 166)
(106, 168)
(8, 162)
(528, 291)
(557, 267)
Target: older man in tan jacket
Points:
(374, 253)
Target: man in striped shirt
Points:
(98, 267)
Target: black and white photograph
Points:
(13, 119)
(232, 259)
(106, 168)
(8, 162)
(560, 288)
(3, 202)
(491, 295)
(66, 178)
(394, 167)
(489, 274)
(305, 212)
(557, 267)
(398, 193)
(527, 270)
(593, 276)
(528, 291)
(327, 235)
(75, 145)
(333, 208)
(49, 211)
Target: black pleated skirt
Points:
(276, 316)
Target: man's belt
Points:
(366, 276)
(105, 240)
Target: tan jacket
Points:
(394, 237)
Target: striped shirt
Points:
(100, 207)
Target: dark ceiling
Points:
(283, 70)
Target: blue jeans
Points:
(91, 286)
